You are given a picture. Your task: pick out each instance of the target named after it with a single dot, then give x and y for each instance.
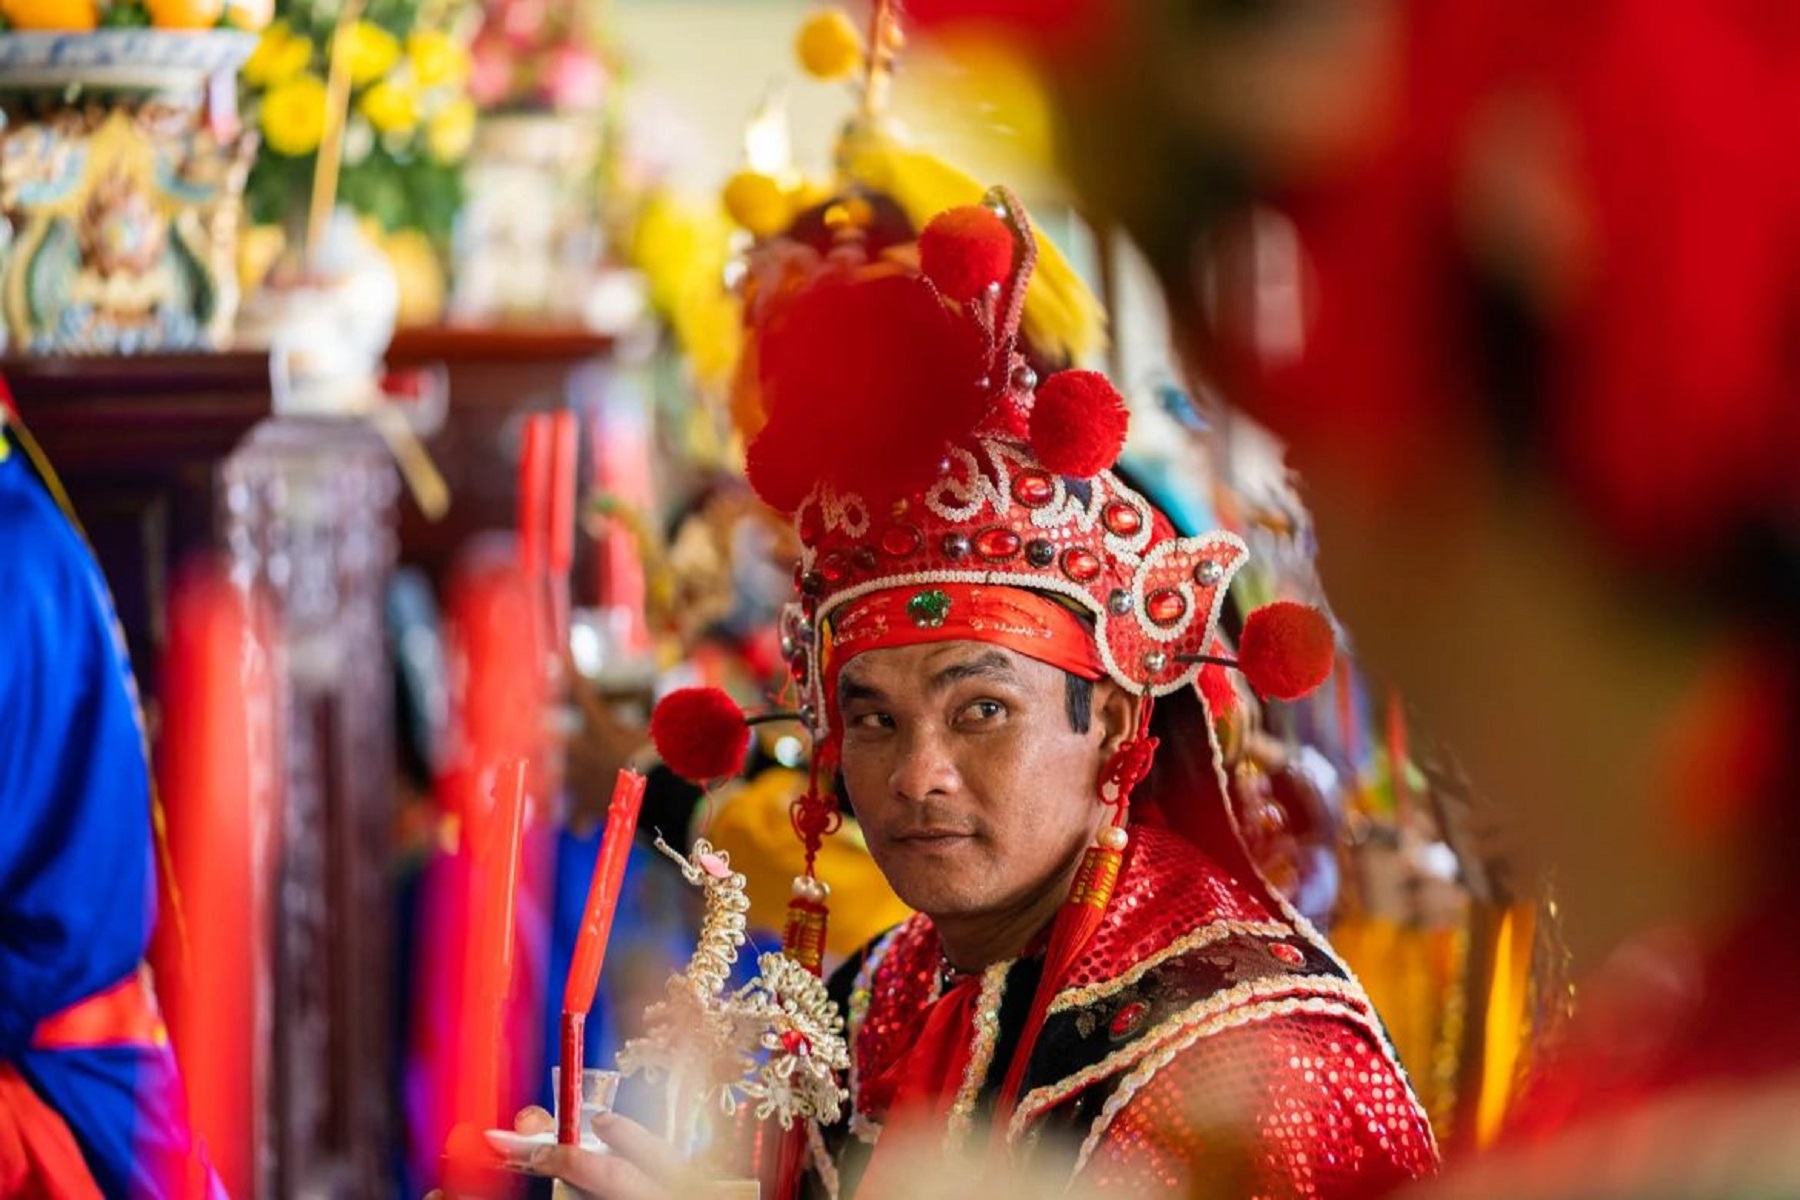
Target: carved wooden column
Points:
(308, 513)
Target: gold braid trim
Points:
(981, 1055)
(1195, 1019)
(1197, 939)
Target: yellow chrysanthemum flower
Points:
(293, 115)
(278, 57)
(437, 58)
(392, 106)
(371, 52)
(451, 130)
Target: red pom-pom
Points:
(867, 383)
(700, 733)
(1287, 650)
(1078, 423)
(965, 250)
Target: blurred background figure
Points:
(91, 1101)
(1518, 289)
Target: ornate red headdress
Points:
(941, 490)
(931, 476)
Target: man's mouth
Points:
(932, 833)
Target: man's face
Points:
(968, 779)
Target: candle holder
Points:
(599, 1090)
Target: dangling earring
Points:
(1099, 870)
(815, 816)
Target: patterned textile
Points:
(1203, 1045)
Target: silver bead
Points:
(1119, 603)
(788, 644)
(956, 545)
(1208, 573)
(1024, 379)
(1155, 661)
(807, 713)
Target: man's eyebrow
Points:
(993, 665)
(851, 690)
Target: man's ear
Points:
(1115, 714)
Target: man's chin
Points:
(941, 893)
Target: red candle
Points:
(564, 431)
(505, 843)
(534, 492)
(590, 944)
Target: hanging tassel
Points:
(803, 940)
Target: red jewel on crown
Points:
(1034, 489)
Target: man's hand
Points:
(640, 1167)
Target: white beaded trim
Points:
(821, 1159)
(847, 513)
(1197, 939)
(1041, 1099)
(959, 499)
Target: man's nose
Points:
(924, 767)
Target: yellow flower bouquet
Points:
(408, 127)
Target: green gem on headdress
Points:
(928, 609)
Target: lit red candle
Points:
(590, 944)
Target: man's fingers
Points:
(607, 1176)
(534, 1120)
(638, 1146)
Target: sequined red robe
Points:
(1202, 1045)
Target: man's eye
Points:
(984, 710)
(872, 720)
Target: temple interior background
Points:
(388, 353)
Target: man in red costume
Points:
(999, 643)
(1542, 260)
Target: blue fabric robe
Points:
(77, 873)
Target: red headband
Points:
(1028, 623)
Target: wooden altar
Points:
(168, 457)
